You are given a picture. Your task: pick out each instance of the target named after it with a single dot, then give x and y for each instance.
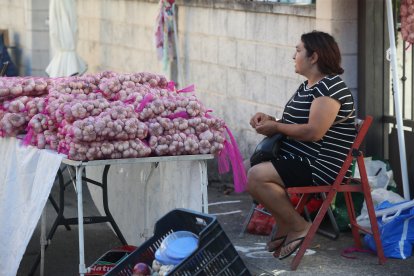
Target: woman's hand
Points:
(259, 118)
(267, 128)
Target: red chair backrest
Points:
(362, 129)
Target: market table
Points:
(28, 174)
(154, 161)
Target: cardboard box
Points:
(6, 39)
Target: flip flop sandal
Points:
(294, 249)
(279, 246)
(277, 251)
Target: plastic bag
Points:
(260, 223)
(378, 196)
(379, 176)
(341, 212)
(397, 235)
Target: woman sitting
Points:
(318, 126)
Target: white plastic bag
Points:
(378, 196)
(378, 176)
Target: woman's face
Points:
(302, 61)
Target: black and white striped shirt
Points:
(327, 155)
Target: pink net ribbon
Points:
(180, 114)
(223, 162)
(63, 148)
(345, 253)
(187, 89)
(232, 152)
(28, 137)
(148, 98)
(171, 86)
(130, 100)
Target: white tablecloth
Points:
(137, 199)
(26, 178)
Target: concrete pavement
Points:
(324, 257)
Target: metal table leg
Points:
(146, 230)
(106, 207)
(82, 267)
(204, 184)
(43, 242)
(60, 220)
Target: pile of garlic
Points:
(108, 115)
(20, 99)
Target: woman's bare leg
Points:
(265, 185)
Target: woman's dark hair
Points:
(329, 56)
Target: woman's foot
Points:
(293, 241)
(277, 239)
(276, 243)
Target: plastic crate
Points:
(214, 256)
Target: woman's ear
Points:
(314, 58)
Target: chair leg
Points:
(370, 207)
(352, 218)
(315, 226)
(335, 234)
(247, 220)
(302, 203)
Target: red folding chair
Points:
(347, 187)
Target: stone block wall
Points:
(241, 60)
(118, 35)
(340, 18)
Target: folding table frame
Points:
(78, 180)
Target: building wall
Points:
(26, 21)
(237, 53)
(340, 18)
(117, 35)
(241, 62)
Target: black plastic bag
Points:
(266, 150)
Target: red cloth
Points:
(262, 224)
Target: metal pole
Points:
(204, 183)
(43, 242)
(82, 268)
(398, 115)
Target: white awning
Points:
(63, 30)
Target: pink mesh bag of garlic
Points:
(407, 20)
